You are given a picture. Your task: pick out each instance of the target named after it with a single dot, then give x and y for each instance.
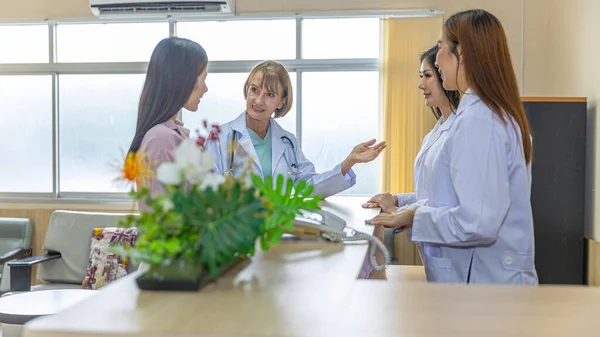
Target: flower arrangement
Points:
(205, 221)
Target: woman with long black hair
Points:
(175, 79)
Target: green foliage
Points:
(283, 205)
(211, 228)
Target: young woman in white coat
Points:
(443, 103)
(272, 150)
(474, 223)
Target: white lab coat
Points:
(474, 223)
(325, 184)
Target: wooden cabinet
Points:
(558, 127)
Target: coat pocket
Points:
(438, 269)
(521, 268)
(518, 261)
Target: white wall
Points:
(561, 59)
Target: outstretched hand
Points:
(363, 153)
(367, 151)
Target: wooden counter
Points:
(311, 289)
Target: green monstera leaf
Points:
(284, 202)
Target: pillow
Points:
(105, 266)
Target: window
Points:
(71, 116)
(114, 42)
(339, 111)
(24, 44)
(243, 39)
(97, 115)
(340, 38)
(225, 101)
(26, 134)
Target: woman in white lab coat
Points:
(443, 104)
(473, 222)
(255, 142)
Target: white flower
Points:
(169, 174)
(212, 180)
(191, 164)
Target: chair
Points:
(67, 247)
(15, 239)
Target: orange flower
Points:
(135, 167)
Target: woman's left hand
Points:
(400, 221)
(367, 151)
(362, 153)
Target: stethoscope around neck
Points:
(294, 168)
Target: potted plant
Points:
(205, 223)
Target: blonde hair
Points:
(273, 76)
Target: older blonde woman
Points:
(273, 150)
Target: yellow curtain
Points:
(406, 120)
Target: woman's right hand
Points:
(386, 201)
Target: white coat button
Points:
(508, 260)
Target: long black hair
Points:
(172, 72)
(453, 96)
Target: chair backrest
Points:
(15, 233)
(70, 234)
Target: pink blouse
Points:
(159, 143)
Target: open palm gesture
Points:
(362, 153)
(367, 151)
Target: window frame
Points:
(297, 65)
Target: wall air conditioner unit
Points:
(161, 9)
